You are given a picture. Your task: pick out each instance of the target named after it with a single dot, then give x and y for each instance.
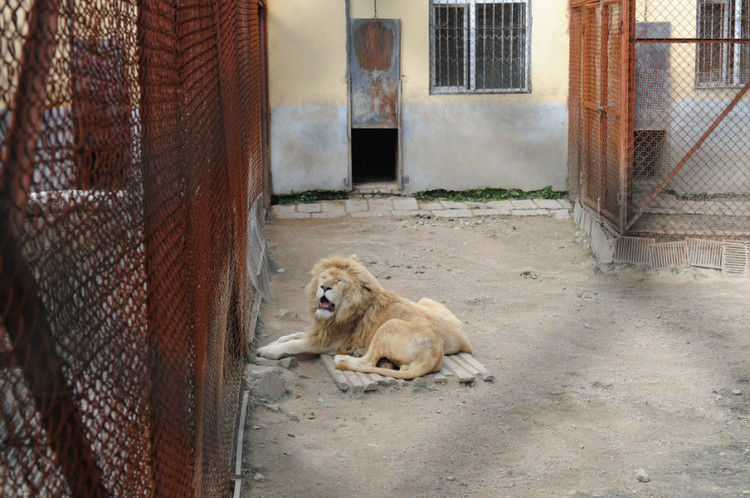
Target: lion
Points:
(351, 311)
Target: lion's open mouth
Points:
(325, 304)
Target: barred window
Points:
(479, 46)
(723, 64)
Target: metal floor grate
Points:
(734, 260)
(705, 253)
(633, 250)
(669, 254)
(461, 367)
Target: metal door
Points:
(375, 73)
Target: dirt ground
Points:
(597, 373)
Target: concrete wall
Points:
(448, 141)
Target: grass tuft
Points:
(308, 197)
(470, 195)
(490, 194)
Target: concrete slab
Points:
(333, 207)
(548, 203)
(369, 214)
(524, 204)
(328, 215)
(506, 205)
(405, 204)
(356, 205)
(380, 204)
(453, 205)
(309, 208)
(430, 206)
(529, 212)
(560, 214)
(293, 214)
(277, 210)
(491, 212)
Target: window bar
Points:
(511, 28)
(524, 68)
(454, 33)
(438, 36)
(701, 59)
(725, 31)
(461, 63)
(511, 40)
(466, 48)
(471, 43)
(435, 41)
(737, 47)
(503, 65)
(446, 35)
(489, 32)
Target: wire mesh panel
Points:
(133, 148)
(684, 158)
(691, 148)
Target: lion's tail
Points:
(414, 370)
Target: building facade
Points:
(416, 95)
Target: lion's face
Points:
(333, 286)
(341, 288)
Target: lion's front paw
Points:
(269, 352)
(290, 337)
(339, 358)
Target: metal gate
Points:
(598, 34)
(659, 114)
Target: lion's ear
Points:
(355, 258)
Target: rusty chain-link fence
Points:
(133, 183)
(659, 124)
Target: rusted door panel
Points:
(601, 35)
(375, 72)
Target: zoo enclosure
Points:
(133, 184)
(659, 143)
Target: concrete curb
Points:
(408, 206)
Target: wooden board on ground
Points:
(462, 368)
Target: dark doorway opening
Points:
(374, 153)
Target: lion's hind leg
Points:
(412, 346)
(407, 371)
(448, 326)
(431, 303)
